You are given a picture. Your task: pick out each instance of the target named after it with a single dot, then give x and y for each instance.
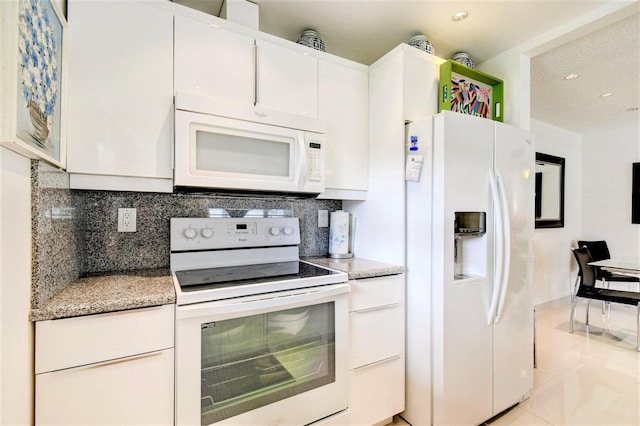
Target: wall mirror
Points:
(549, 203)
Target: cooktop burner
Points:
(233, 276)
(225, 258)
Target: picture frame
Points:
(549, 191)
(33, 65)
(469, 91)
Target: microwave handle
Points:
(255, 68)
(302, 161)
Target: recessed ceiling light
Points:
(459, 16)
(571, 77)
(606, 95)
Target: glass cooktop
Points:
(233, 276)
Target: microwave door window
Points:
(244, 154)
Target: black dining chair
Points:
(600, 251)
(587, 290)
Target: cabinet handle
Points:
(382, 361)
(255, 77)
(123, 360)
(375, 308)
(132, 311)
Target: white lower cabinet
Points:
(376, 358)
(106, 369)
(377, 392)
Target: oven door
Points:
(278, 358)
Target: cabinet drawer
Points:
(369, 292)
(376, 392)
(71, 342)
(376, 334)
(131, 391)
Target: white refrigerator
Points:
(469, 295)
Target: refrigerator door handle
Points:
(497, 279)
(506, 235)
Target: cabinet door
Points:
(421, 83)
(376, 334)
(376, 392)
(120, 90)
(213, 62)
(344, 108)
(70, 342)
(128, 391)
(287, 80)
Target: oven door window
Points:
(256, 360)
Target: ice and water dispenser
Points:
(470, 246)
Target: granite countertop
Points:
(116, 291)
(357, 267)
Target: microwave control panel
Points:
(314, 160)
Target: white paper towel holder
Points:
(351, 239)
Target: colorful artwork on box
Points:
(39, 74)
(469, 96)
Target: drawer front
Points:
(369, 292)
(129, 391)
(71, 342)
(376, 334)
(377, 392)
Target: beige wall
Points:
(606, 177)
(554, 265)
(16, 331)
(553, 274)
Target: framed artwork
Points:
(549, 196)
(36, 51)
(469, 91)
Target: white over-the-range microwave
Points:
(230, 146)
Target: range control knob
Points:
(274, 230)
(190, 233)
(288, 230)
(207, 233)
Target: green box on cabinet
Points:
(469, 91)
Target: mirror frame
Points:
(552, 223)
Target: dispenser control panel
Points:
(470, 223)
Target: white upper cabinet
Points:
(287, 79)
(344, 109)
(213, 62)
(120, 95)
(217, 62)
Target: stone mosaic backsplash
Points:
(75, 232)
(55, 253)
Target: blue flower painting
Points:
(39, 66)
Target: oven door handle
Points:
(248, 305)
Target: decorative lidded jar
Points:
(421, 42)
(310, 38)
(464, 59)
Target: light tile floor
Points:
(582, 379)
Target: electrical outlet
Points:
(126, 220)
(323, 218)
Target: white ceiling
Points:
(607, 61)
(364, 30)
